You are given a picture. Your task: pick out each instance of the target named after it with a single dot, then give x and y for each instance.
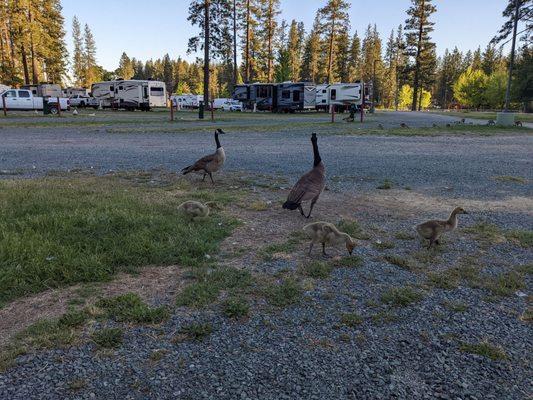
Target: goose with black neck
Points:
(210, 163)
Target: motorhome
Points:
(130, 94)
(242, 93)
(186, 101)
(44, 90)
(339, 95)
(295, 96)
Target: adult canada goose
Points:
(404, 125)
(433, 229)
(326, 233)
(310, 185)
(211, 163)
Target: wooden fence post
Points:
(171, 110)
(58, 107)
(332, 113)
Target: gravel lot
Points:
(303, 352)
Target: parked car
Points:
(83, 101)
(23, 99)
(232, 105)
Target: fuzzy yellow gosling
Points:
(194, 209)
(433, 229)
(326, 233)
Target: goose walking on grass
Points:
(310, 185)
(211, 163)
(433, 229)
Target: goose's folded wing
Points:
(202, 162)
(307, 187)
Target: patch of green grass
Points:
(353, 229)
(522, 237)
(442, 280)
(195, 331)
(484, 349)
(317, 269)
(295, 238)
(351, 319)
(524, 269)
(404, 236)
(257, 205)
(385, 185)
(157, 355)
(510, 179)
(485, 231)
(401, 296)
(506, 284)
(236, 307)
(209, 284)
(348, 262)
(384, 245)
(455, 306)
(402, 262)
(384, 317)
(73, 318)
(129, 307)
(285, 293)
(108, 337)
(198, 294)
(77, 384)
(58, 232)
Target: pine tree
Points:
(372, 67)
(332, 22)
(525, 15)
(492, 59)
(268, 12)
(390, 79)
(212, 17)
(125, 67)
(295, 49)
(91, 69)
(476, 59)
(419, 45)
(312, 55)
(78, 66)
(342, 57)
(168, 76)
(355, 59)
(53, 49)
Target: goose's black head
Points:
(313, 137)
(220, 131)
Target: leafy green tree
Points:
(405, 97)
(470, 88)
(495, 89)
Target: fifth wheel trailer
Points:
(295, 96)
(130, 94)
(342, 95)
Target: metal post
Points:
(171, 110)
(332, 113)
(58, 107)
(4, 105)
(511, 62)
(362, 108)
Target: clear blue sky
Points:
(149, 29)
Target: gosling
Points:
(326, 233)
(194, 209)
(432, 230)
(518, 123)
(491, 122)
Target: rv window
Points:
(286, 94)
(24, 93)
(121, 87)
(156, 91)
(296, 95)
(333, 94)
(145, 92)
(111, 88)
(324, 91)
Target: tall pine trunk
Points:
(330, 52)
(235, 69)
(247, 44)
(25, 64)
(418, 52)
(206, 52)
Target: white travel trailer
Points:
(339, 95)
(130, 94)
(3, 88)
(186, 100)
(75, 91)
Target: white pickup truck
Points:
(22, 99)
(83, 101)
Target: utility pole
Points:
(511, 62)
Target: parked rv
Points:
(264, 95)
(295, 96)
(73, 91)
(339, 95)
(185, 101)
(241, 93)
(130, 94)
(23, 99)
(44, 90)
